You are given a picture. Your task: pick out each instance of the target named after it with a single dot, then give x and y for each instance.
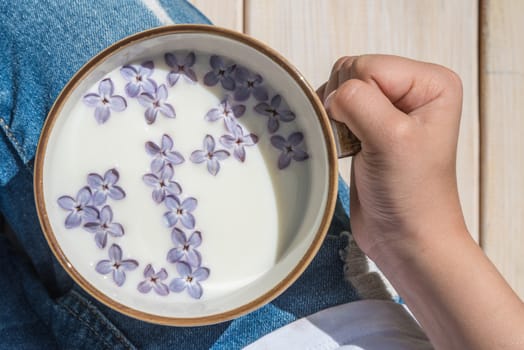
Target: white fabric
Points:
(159, 11)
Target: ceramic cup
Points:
(187, 175)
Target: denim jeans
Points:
(42, 44)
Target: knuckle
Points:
(361, 65)
(346, 92)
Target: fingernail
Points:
(329, 99)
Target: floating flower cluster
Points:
(180, 219)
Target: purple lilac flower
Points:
(163, 183)
(139, 78)
(249, 83)
(276, 111)
(163, 154)
(180, 67)
(105, 101)
(104, 187)
(116, 265)
(291, 148)
(78, 207)
(209, 155)
(221, 72)
(103, 226)
(155, 102)
(189, 279)
(185, 249)
(237, 140)
(227, 111)
(180, 211)
(153, 281)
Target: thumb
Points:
(367, 112)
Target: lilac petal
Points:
(228, 83)
(161, 289)
(195, 290)
(221, 154)
(172, 202)
(73, 220)
(129, 265)
(106, 214)
(101, 239)
(172, 78)
(84, 195)
(118, 103)
(231, 125)
(104, 267)
(177, 285)
(162, 92)
(132, 89)
(194, 258)
(115, 253)
(158, 195)
(128, 72)
(149, 86)
(198, 156)
(95, 181)
(89, 213)
(216, 62)
(286, 116)
(272, 124)
(149, 271)
(213, 166)
(150, 115)
(228, 141)
(241, 93)
(170, 59)
(260, 93)
(170, 218)
(119, 276)
(178, 236)
(147, 67)
(209, 143)
(66, 202)
(183, 269)
(102, 114)
(157, 164)
(284, 160)
(239, 110)
(106, 87)
(92, 100)
(240, 153)
(152, 149)
(295, 138)
(150, 179)
(188, 220)
(166, 142)
(146, 99)
(99, 198)
(213, 115)
(189, 73)
(262, 108)
(201, 274)
(116, 193)
(92, 227)
(189, 204)
(167, 172)
(242, 74)
(167, 110)
(144, 287)
(190, 59)
(116, 230)
(300, 155)
(175, 157)
(195, 239)
(175, 255)
(279, 142)
(210, 79)
(275, 101)
(162, 274)
(250, 140)
(111, 176)
(173, 188)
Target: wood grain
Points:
(502, 120)
(313, 34)
(223, 13)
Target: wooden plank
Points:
(314, 33)
(223, 13)
(502, 158)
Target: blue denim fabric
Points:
(42, 44)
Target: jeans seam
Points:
(94, 311)
(11, 136)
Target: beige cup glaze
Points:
(125, 51)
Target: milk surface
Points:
(247, 214)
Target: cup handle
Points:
(347, 143)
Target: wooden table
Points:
(481, 40)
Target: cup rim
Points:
(92, 64)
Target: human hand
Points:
(403, 183)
